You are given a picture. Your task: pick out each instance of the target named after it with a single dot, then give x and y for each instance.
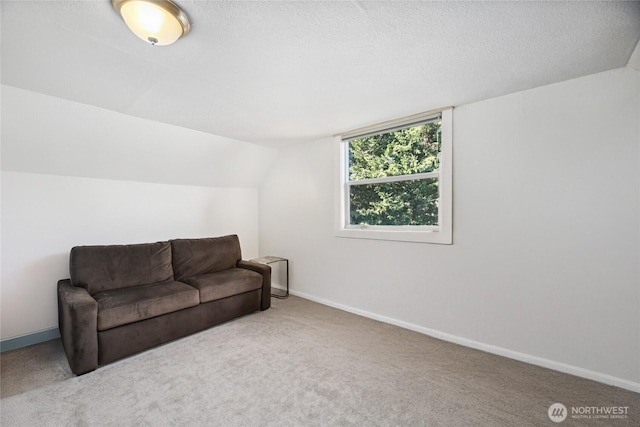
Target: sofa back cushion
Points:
(103, 268)
(209, 255)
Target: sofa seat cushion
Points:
(226, 283)
(127, 305)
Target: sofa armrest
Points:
(78, 323)
(265, 270)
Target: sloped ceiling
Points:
(275, 73)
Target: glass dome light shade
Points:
(156, 22)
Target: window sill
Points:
(441, 237)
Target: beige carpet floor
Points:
(297, 364)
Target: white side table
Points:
(272, 260)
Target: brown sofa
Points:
(122, 299)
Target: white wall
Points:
(73, 174)
(544, 265)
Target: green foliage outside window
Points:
(407, 151)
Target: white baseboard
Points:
(277, 286)
(527, 358)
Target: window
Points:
(395, 180)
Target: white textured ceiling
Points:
(280, 72)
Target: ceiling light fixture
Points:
(159, 22)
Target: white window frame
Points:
(440, 234)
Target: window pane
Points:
(402, 152)
(412, 202)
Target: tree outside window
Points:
(393, 177)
